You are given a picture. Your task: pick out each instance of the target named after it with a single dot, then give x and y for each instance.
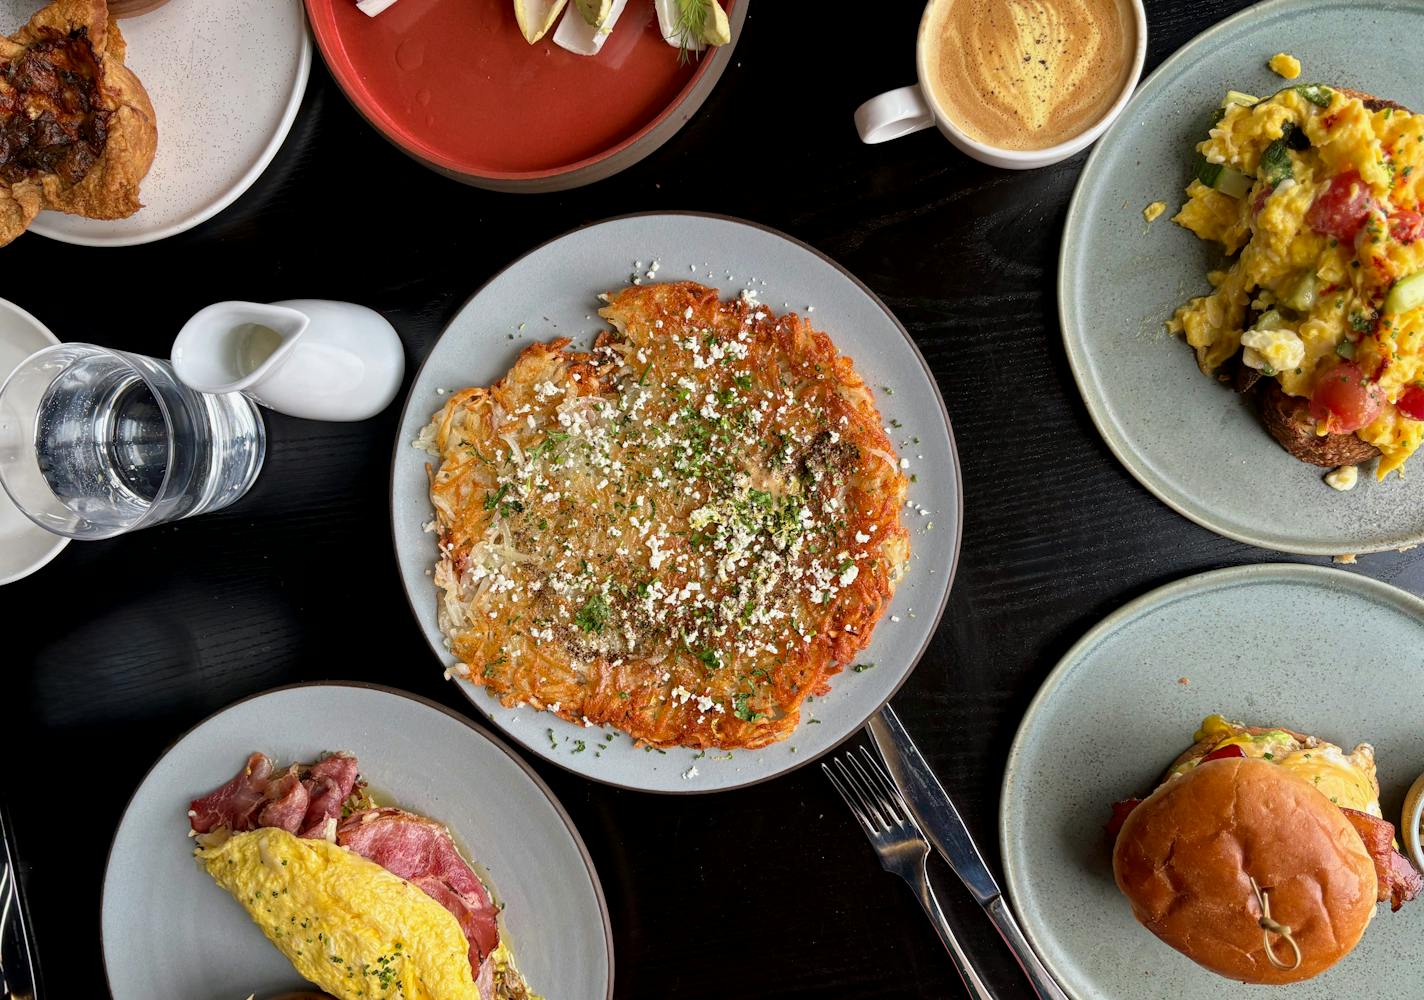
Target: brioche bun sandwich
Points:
(1262, 855)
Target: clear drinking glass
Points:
(96, 442)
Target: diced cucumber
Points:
(1237, 97)
(1407, 294)
(1346, 349)
(1302, 296)
(1225, 179)
(1316, 93)
(1269, 320)
(1233, 182)
(1276, 163)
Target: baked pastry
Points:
(77, 130)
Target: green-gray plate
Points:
(1190, 440)
(1320, 650)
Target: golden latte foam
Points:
(1027, 74)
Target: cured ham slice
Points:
(234, 805)
(329, 784)
(287, 800)
(303, 799)
(421, 851)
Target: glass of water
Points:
(96, 442)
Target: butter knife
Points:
(941, 824)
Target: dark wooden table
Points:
(119, 646)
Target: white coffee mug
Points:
(911, 109)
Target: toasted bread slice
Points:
(77, 130)
(1372, 102)
(1288, 417)
(1290, 423)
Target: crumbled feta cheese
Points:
(1343, 478)
(1278, 350)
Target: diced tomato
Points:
(1406, 226)
(1225, 753)
(1342, 208)
(1260, 201)
(1345, 400)
(1121, 810)
(1411, 402)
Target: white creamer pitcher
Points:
(310, 358)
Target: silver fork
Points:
(903, 850)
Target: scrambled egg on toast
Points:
(1315, 193)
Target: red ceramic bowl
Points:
(455, 85)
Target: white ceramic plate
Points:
(226, 78)
(1319, 650)
(170, 933)
(1189, 439)
(550, 292)
(24, 545)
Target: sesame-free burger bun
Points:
(1185, 857)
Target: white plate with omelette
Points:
(702, 554)
(171, 933)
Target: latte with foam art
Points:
(1027, 74)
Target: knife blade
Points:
(944, 828)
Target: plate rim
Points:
(60, 541)
(613, 160)
(239, 187)
(498, 743)
(1168, 593)
(1075, 221)
(467, 690)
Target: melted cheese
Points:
(1348, 780)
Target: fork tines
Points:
(868, 791)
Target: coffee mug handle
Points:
(893, 114)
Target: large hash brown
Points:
(682, 533)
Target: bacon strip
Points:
(1398, 881)
(1120, 812)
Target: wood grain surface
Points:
(119, 646)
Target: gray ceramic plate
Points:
(1188, 439)
(551, 292)
(1320, 650)
(169, 933)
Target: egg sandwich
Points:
(1314, 194)
(1262, 854)
(365, 901)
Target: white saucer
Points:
(226, 78)
(24, 545)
